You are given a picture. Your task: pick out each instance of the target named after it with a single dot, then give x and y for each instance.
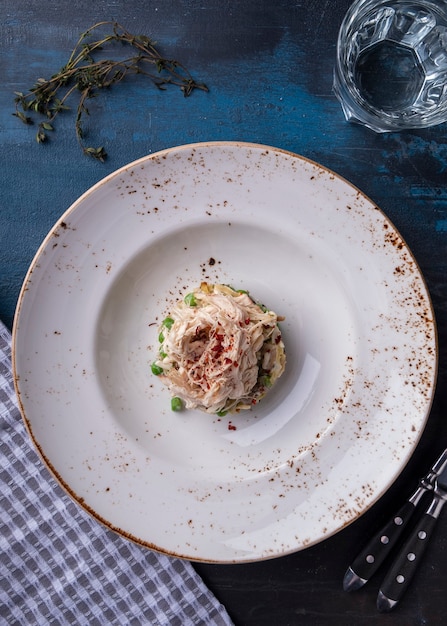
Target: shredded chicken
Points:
(219, 350)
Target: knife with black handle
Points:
(379, 547)
(401, 573)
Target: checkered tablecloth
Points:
(60, 566)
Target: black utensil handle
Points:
(400, 575)
(375, 552)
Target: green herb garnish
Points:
(85, 74)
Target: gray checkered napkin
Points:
(60, 566)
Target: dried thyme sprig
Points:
(85, 75)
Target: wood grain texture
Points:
(269, 69)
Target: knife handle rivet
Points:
(422, 534)
(384, 539)
(370, 558)
(400, 579)
(411, 556)
(398, 521)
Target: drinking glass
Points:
(391, 66)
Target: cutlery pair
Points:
(399, 577)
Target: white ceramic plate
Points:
(333, 433)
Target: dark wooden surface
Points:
(269, 69)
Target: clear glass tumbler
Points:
(391, 66)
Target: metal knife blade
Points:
(401, 573)
(379, 547)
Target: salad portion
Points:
(220, 351)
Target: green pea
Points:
(156, 369)
(190, 300)
(161, 338)
(176, 404)
(168, 321)
(221, 413)
(163, 355)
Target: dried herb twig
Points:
(85, 74)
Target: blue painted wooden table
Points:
(268, 66)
